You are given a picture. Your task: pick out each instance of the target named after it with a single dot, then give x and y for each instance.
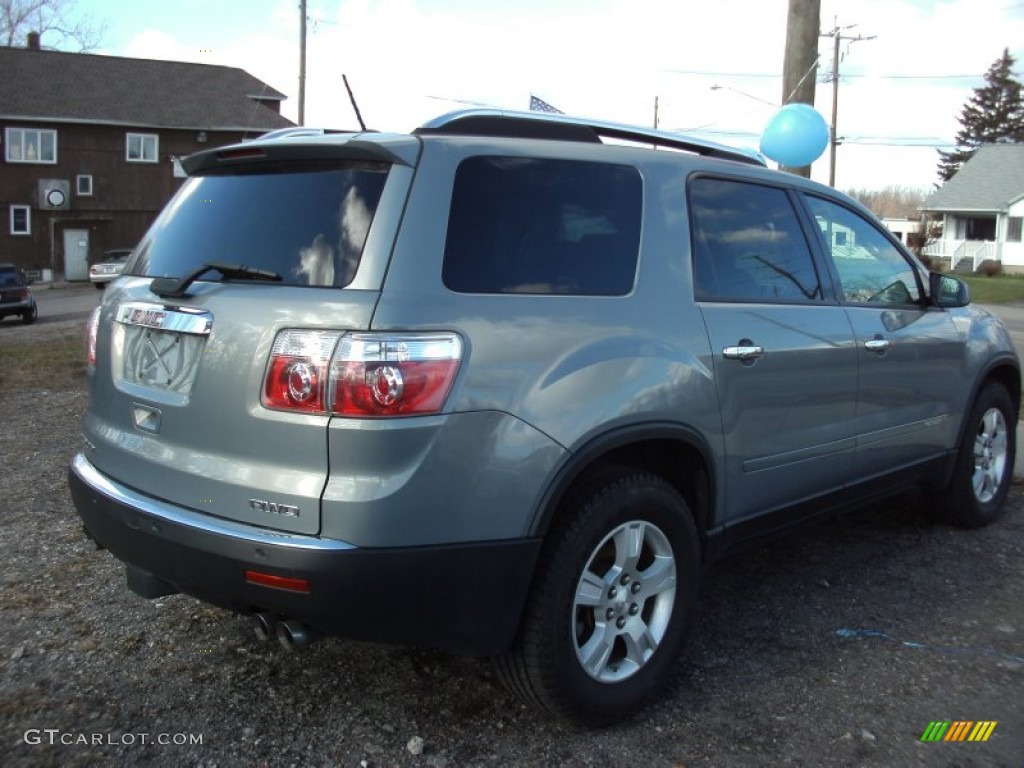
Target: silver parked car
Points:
(502, 388)
(105, 270)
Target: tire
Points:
(100, 286)
(606, 618)
(29, 316)
(984, 463)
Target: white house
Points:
(982, 210)
(903, 228)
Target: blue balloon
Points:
(796, 136)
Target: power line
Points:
(741, 75)
(933, 142)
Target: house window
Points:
(31, 145)
(21, 220)
(83, 185)
(142, 147)
(1013, 229)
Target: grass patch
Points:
(54, 360)
(994, 290)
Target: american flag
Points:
(539, 105)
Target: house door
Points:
(76, 254)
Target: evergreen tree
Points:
(994, 113)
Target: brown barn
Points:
(90, 146)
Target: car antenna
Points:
(352, 98)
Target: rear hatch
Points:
(207, 359)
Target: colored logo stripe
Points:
(935, 731)
(958, 730)
(982, 731)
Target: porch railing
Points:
(962, 253)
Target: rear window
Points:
(11, 276)
(543, 227)
(306, 223)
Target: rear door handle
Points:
(877, 345)
(750, 352)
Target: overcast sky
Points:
(408, 60)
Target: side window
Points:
(537, 226)
(142, 147)
(748, 244)
(871, 269)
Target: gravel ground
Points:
(92, 675)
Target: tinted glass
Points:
(543, 226)
(10, 276)
(871, 269)
(309, 226)
(748, 245)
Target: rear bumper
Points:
(16, 307)
(465, 598)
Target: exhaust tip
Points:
(292, 635)
(265, 626)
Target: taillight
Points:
(92, 329)
(393, 375)
(369, 374)
(297, 375)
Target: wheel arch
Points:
(1003, 371)
(676, 453)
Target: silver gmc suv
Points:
(504, 387)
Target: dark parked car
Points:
(102, 272)
(501, 388)
(15, 296)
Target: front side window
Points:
(543, 226)
(142, 147)
(871, 269)
(748, 244)
(31, 145)
(21, 220)
(306, 222)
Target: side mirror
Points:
(948, 291)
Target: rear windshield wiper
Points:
(174, 287)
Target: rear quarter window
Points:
(541, 226)
(306, 223)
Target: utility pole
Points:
(801, 58)
(302, 63)
(837, 37)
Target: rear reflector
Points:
(277, 582)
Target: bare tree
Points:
(55, 21)
(894, 201)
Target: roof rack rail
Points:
(544, 125)
(300, 130)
